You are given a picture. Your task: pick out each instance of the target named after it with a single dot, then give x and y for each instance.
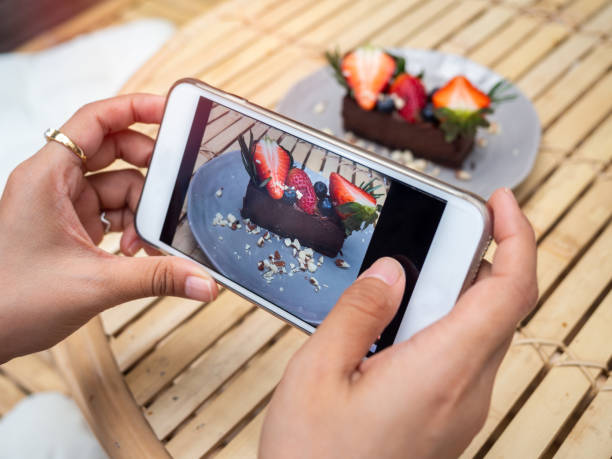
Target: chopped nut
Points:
(231, 218)
(287, 242)
(277, 255)
(340, 263)
(419, 165)
(260, 242)
(315, 283)
(328, 131)
(349, 137)
(319, 107)
(266, 235)
(234, 226)
(397, 155)
(219, 192)
(279, 263)
(247, 247)
(463, 175)
(482, 142)
(494, 128)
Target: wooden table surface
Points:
(170, 376)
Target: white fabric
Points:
(47, 425)
(43, 89)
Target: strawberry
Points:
(460, 95)
(354, 205)
(411, 91)
(367, 71)
(272, 163)
(461, 108)
(307, 199)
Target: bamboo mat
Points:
(192, 380)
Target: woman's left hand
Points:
(53, 277)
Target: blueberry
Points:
(431, 93)
(326, 207)
(385, 105)
(320, 189)
(290, 196)
(428, 114)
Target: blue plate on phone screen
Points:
(235, 254)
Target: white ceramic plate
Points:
(504, 161)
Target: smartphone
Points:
(288, 216)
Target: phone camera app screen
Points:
(288, 220)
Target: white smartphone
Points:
(288, 216)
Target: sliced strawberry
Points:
(272, 164)
(461, 108)
(306, 197)
(367, 71)
(460, 95)
(411, 91)
(354, 205)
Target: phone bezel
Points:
(459, 243)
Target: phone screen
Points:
(288, 220)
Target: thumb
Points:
(361, 314)
(141, 277)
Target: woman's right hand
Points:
(425, 397)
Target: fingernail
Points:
(198, 288)
(134, 247)
(386, 269)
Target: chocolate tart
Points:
(391, 130)
(324, 234)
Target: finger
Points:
(92, 122)
(361, 314)
(123, 220)
(119, 219)
(141, 277)
(515, 257)
(117, 189)
(131, 146)
(486, 315)
(87, 207)
(484, 271)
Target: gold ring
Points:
(54, 134)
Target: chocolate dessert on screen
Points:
(282, 199)
(387, 105)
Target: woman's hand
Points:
(53, 278)
(425, 397)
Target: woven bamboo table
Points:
(166, 376)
